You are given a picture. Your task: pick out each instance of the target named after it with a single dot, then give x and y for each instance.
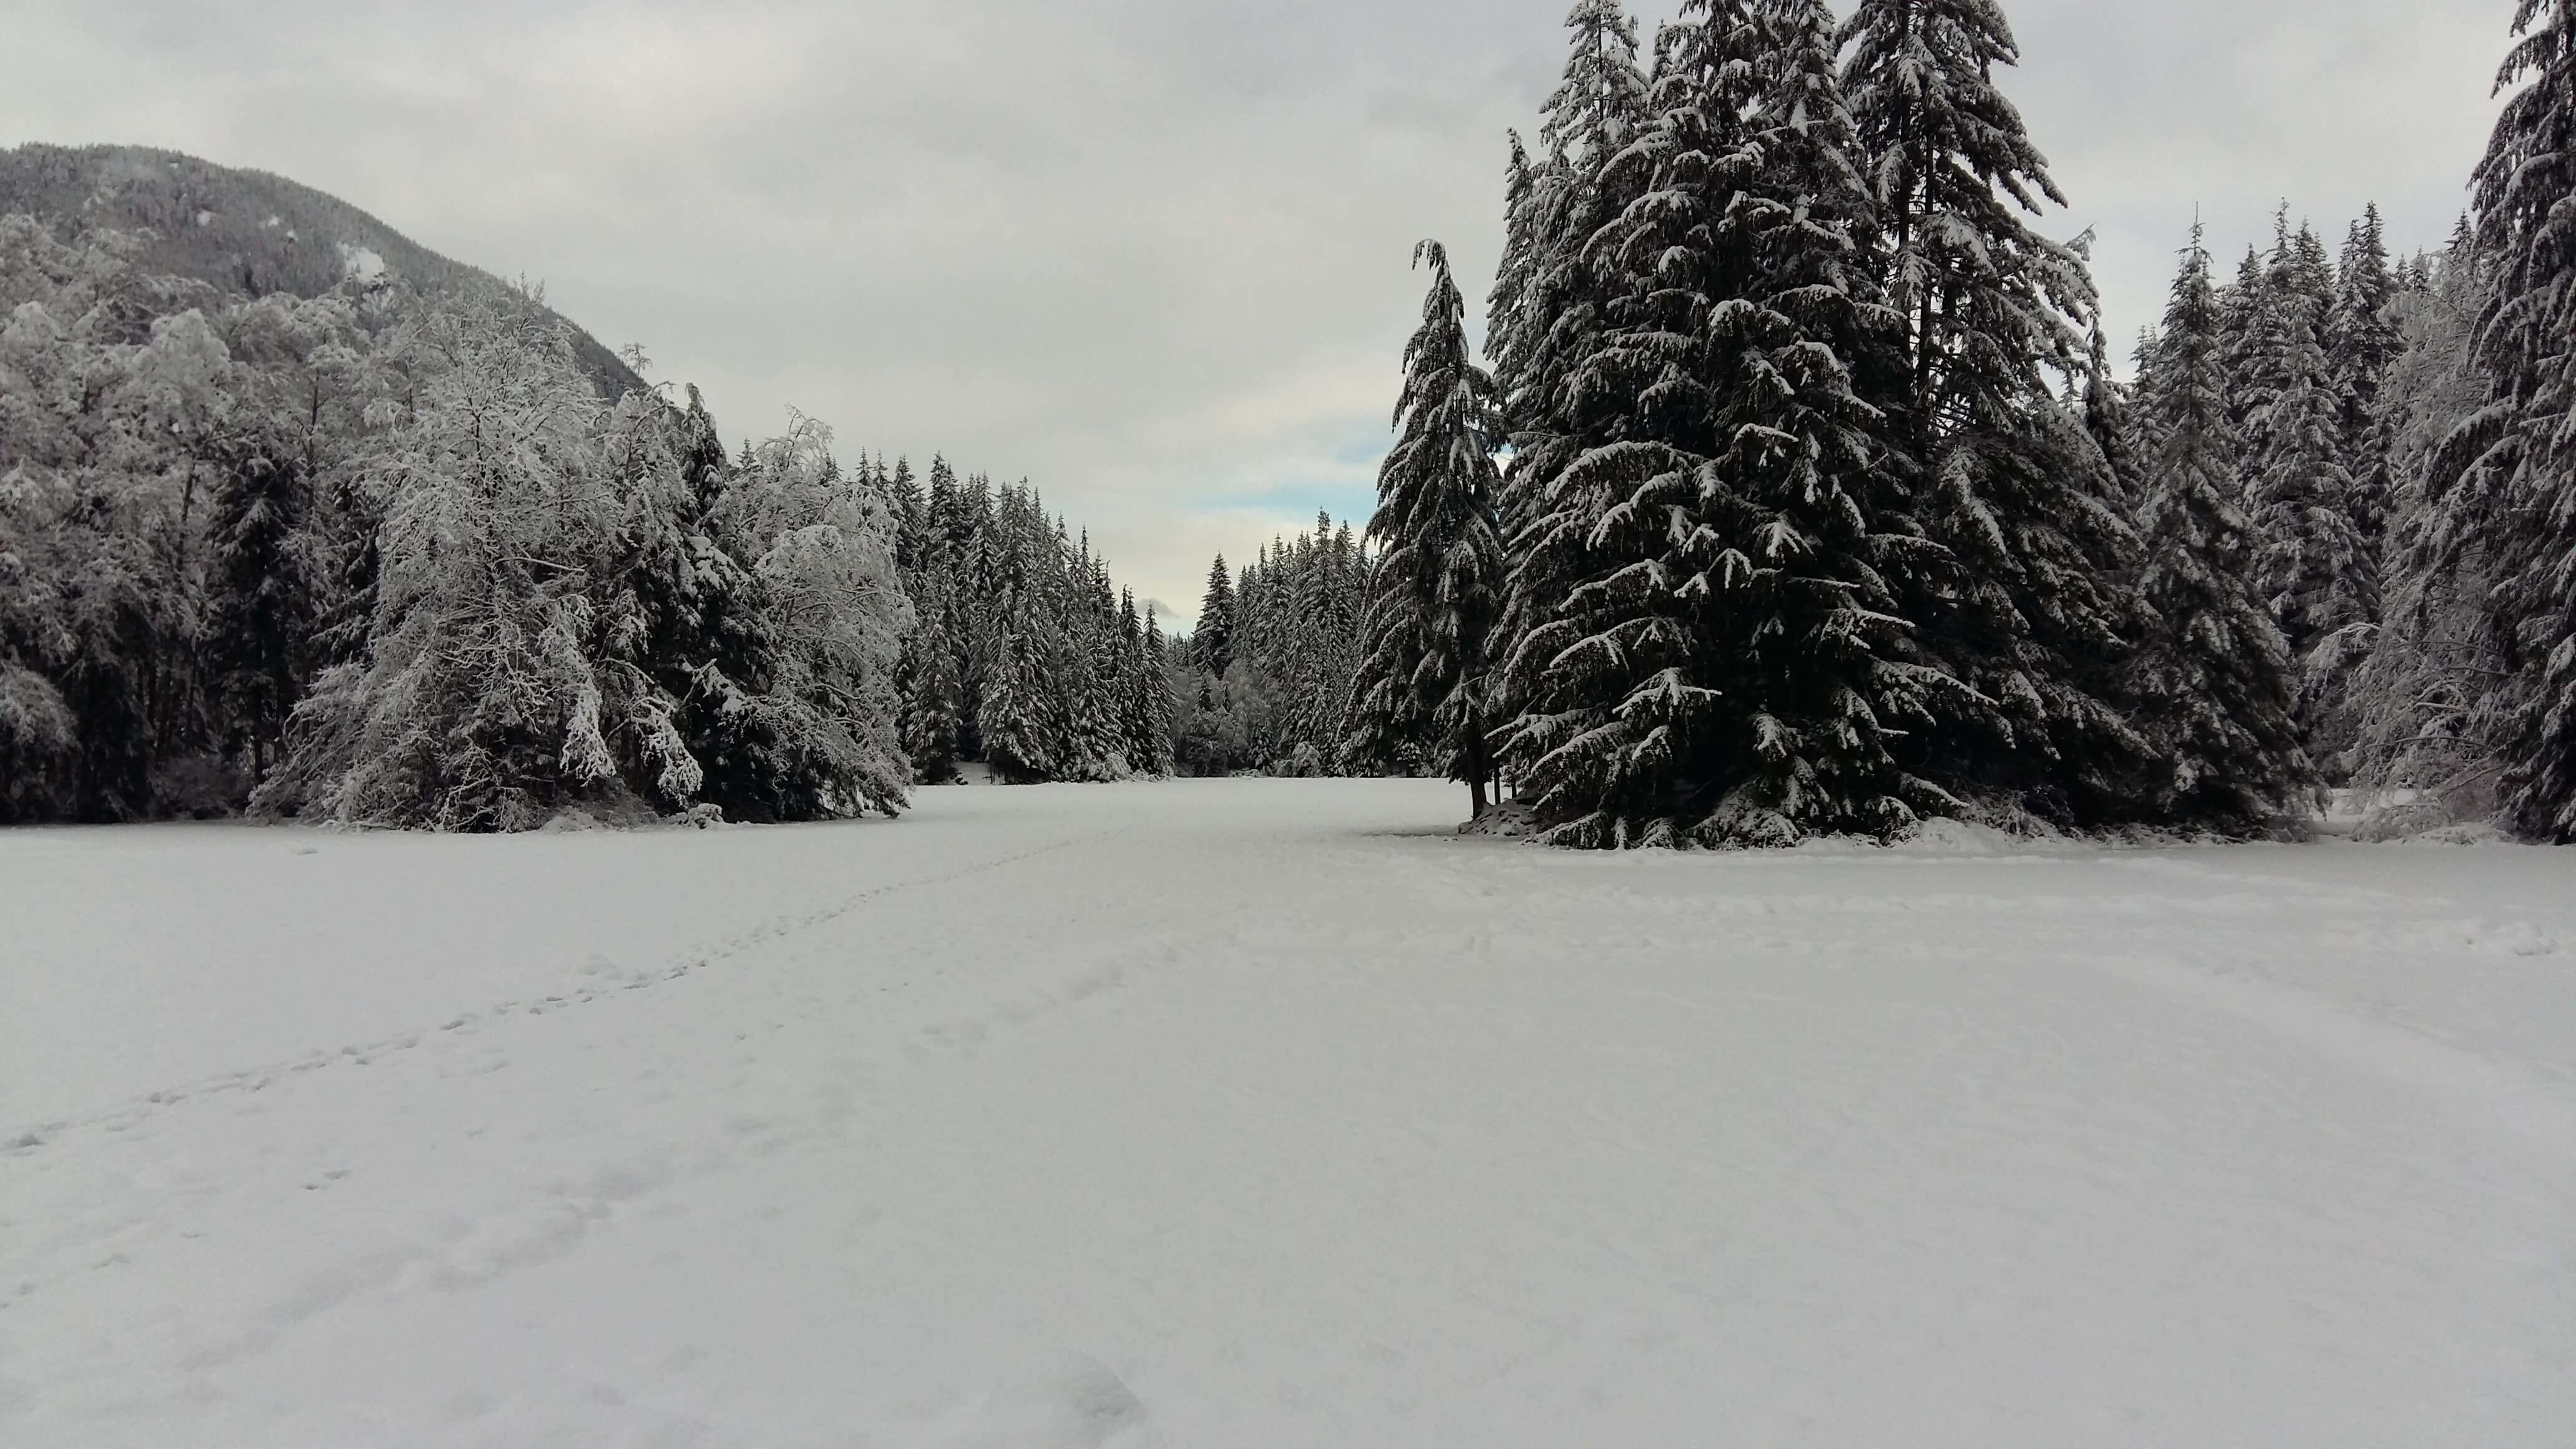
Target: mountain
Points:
(243, 231)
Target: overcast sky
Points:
(1150, 254)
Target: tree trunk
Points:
(1477, 769)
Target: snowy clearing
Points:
(1265, 1113)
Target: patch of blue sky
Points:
(1344, 500)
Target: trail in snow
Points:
(1263, 1113)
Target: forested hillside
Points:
(388, 556)
(246, 233)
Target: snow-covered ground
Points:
(1267, 1114)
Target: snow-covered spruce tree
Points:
(1544, 316)
(1096, 668)
(1548, 313)
(2362, 343)
(2213, 677)
(2522, 483)
(1155, 708)
(2242, 305)
(1145, 697)
(261, 596)
(1213, 640)
(1726, 665)
(2025, 602)
(2317, 572)
(1437, 586)
(1021, 734)
(1592, 610)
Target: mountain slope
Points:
(244, 231)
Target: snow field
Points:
(1265, 1113)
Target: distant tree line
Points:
(390, 560)
(1800, 496)
(1263, 685)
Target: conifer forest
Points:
(1796, 489)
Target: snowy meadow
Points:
(1273, 1113)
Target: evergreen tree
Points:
(2362, 343)
(1726, 664)
(2420, 694)
(1145, 707)
(2214, 677)
(1546, 329)
(1214, 637)
(2315, 570)
(1437, 585)
(2023, 601)
(262, 605)
(2523, 479)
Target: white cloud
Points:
(1148, 253)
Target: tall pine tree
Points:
(2525, 439)
(1437, 586)
(2023, 603)
(2214, 677)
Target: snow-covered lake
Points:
(1269, 1114)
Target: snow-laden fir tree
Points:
(1437, 586)
(1145, 694)
(1724, 663)
(2522, 480)
(2317, 571)
(2025, 602)
(1545, 314)
(263, 605)
(2362, 342)
(1549, 311)
(1214, 637)
(1592, 610)
(2214, 677)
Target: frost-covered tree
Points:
(478, 703)
(2422, 677)
(2213, 679)
(825, 728)
(1437, 586)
